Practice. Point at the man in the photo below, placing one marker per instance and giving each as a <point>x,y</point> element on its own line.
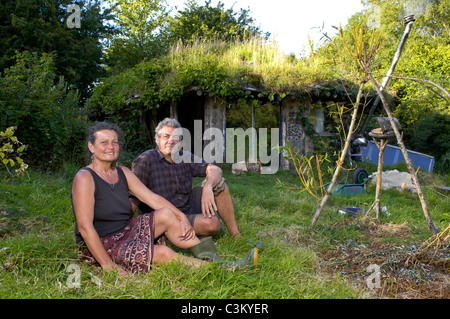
<point>172,180</point>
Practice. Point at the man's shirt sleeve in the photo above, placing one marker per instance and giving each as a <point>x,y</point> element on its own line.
<point>141,168</point>
<point>198,166</point>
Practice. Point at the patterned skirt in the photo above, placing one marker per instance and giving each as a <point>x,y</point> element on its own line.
<point>132,248</point>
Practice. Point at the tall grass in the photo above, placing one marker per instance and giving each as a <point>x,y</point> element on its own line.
<point>255,62</point>
<point>37,245</point>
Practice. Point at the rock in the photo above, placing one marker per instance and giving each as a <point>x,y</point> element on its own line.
<point>242,167</point>
<point>393,179</point>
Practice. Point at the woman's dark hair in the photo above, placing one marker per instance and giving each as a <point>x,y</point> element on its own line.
<point>92,136</point>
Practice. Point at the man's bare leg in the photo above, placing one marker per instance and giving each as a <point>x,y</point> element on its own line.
<point>225,209</point>
<point>210,226</point>
<point>206,226</point>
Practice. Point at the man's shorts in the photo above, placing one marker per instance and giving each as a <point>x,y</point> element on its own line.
<point>195,200</point>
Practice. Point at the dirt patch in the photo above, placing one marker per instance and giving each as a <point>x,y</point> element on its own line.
<point>382,230</point>
<point>393,270</point>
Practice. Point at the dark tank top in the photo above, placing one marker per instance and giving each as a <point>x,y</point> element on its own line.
<point>112,209</point>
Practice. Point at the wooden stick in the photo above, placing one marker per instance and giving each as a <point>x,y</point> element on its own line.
<point>342,156</point>
<point>423,202</point>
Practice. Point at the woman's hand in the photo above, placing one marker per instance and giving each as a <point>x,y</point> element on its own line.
<point>111,266</point>
<point>187,231</point>
<point>122,272</point>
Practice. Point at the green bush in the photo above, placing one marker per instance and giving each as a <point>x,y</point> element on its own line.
<point>10,150</point>
<point>44,110</point>
<point>431,137</point>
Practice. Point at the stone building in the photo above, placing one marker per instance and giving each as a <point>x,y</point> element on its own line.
<point>212,111</point>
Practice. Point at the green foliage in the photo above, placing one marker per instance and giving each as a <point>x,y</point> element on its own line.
<point>220,68</point>
<point>146,30</point>
<point>40,26</point>
<point>417,99</point>
<point>196,66</point>
<point>10,151</point>
<point>313,172</point>
<point>425,57</point>
<point>44,111</point>
<point>431,135</point>
<point>140,35</point>
<point>208,23</point>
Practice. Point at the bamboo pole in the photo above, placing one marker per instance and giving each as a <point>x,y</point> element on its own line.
<point>341,157</point>
<point>399,137</point>
<point>385,81</point>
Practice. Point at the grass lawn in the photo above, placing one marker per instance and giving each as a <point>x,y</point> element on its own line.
<point>38,258</point>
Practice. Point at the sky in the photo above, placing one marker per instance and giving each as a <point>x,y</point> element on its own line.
<point>290,21</point>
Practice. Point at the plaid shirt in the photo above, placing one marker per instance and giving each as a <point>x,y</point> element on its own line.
<point>171,181</point>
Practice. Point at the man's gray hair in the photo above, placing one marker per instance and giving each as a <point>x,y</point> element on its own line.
<point>166,122</point>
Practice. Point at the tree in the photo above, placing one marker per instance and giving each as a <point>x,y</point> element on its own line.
<point>40,26</point>
<point>140,35</point>
<point>360,45</point>
<point>46,115</point>
<point>207,23</point>
<point>419,85</point>
<point>424,61</point>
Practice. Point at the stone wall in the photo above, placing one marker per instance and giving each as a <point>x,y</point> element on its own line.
<point>292,129</point>
<point>215,116</point>
<point>290,126</point>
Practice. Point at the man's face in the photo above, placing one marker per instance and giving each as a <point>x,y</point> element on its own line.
<point>169,137</point>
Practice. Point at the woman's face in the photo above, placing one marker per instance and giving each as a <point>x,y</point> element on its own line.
<point>106,146</point>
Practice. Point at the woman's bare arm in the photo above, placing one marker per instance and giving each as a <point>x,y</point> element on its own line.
<point>83,188</point>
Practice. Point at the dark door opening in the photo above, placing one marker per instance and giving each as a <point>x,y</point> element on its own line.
<point>191,108</point>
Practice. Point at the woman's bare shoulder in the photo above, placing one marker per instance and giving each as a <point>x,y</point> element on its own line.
<point>83,176</point>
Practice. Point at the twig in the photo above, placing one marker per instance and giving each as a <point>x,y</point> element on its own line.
<point>419,80</point>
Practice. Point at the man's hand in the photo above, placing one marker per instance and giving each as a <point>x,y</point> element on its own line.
<point>209,206</point>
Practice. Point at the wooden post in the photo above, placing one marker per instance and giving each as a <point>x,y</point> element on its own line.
<point>434,230</point>
<point>384,139</point>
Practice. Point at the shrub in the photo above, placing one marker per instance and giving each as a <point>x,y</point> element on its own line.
<point>431,137</point>
<point>10,150</point>
<point>44,110</point>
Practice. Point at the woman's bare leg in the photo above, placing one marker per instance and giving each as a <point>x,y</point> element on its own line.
<point>163,255</point>
<point>166,222</point>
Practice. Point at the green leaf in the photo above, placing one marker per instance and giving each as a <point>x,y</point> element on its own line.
<point>21,149</point>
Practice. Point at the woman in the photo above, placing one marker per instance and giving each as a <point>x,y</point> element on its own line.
<point>104,222</point>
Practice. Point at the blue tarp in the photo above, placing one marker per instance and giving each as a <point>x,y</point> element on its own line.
<point>393,155</point>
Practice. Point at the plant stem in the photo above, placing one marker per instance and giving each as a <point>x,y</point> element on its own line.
<point>399,136</point>
<point>341,157</point>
